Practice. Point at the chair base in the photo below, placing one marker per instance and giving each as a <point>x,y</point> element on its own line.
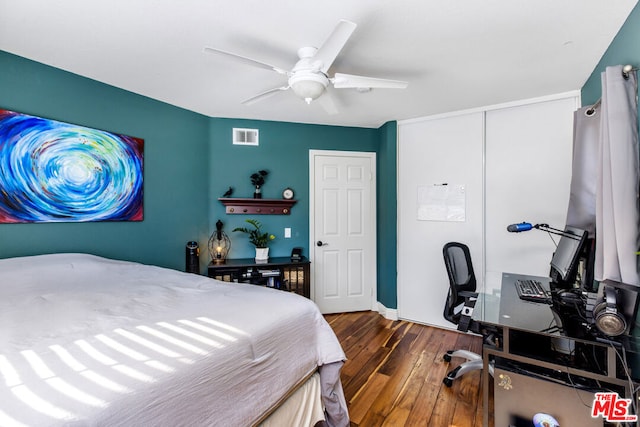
<point>473,363</point>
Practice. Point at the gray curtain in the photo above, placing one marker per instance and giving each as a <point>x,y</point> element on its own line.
<point>586,142</point>
<point>617,218</point>
<point>605,177</point>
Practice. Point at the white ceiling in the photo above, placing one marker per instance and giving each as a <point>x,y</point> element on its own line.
<point>455,54</point>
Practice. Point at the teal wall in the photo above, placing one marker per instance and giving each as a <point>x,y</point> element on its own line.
<point>387,215</point>
<point>623,50</point>
<point>284,152</point>
<point>175,166</point>
<point>189,162</point>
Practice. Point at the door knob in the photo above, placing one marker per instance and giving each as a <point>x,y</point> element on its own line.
<point>319,243</point>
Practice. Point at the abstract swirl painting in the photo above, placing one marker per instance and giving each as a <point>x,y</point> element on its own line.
<point>52,171</point>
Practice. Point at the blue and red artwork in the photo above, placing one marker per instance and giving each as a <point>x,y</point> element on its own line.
<point>52,171</point>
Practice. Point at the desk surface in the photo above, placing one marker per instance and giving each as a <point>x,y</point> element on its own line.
<point>523,333</point>
<point>507,309</point>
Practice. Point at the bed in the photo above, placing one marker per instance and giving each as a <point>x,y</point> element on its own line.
<point>86,340</point>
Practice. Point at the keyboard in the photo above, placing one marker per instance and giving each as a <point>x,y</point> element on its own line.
<point>532,290</point>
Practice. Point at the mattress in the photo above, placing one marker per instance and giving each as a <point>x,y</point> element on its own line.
<point>86,340</point>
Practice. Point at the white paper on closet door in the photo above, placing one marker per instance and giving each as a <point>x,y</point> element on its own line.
<point>441,202</point>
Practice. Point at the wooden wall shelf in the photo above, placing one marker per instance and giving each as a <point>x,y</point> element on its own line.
<point>257,206</point>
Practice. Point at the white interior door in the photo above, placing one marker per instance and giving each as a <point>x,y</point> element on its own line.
<point>342,230</point>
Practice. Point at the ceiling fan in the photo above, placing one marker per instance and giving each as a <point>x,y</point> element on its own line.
<point>308,78</point>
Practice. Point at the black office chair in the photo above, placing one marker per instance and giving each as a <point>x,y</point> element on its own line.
<point>461,298</point>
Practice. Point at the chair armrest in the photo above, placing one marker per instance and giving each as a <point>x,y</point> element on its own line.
<point>468,294</point>
<point>470,299</point>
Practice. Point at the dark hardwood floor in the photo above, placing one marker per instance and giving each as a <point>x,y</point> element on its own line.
<point>393,375</point>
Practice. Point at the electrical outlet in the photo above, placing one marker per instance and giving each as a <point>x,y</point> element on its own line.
<point>287,233</point>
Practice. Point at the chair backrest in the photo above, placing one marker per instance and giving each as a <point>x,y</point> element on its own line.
<point>457,260</point>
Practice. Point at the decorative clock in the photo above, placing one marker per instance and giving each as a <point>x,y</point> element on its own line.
<point>287,194</point>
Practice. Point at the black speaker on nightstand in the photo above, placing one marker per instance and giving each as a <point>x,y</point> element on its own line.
<point>192,261</point>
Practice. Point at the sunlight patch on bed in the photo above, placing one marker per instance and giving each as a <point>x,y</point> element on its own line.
<point>94,377</point>
<point>106,360</point>
<point>172,340</point>
<point>43,371</point>
<point>70,391</point>
<point>110,342</point>
<point>223,326</point>
<point>7,421</point>
<point>159,366</point>
<point>38,365</point>
<point>132,373</point>
<point>29,398</point>
<point>189,334</point>
<point>146,343</point>
<point>105,350</point>
<point>105,382</point>
<point>95,353</point>
<point>67,358</point>
<point>208,330</point>
<point>41,405</point>
<point>11,376</point>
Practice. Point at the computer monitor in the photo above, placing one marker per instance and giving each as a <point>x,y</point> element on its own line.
<point>566,258</point>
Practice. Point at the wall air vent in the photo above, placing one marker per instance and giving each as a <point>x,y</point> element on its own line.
<point>245,136</point>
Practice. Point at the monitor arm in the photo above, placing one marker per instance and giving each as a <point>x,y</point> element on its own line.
<point>548,229</point>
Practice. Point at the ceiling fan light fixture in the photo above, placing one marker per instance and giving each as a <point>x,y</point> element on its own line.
<point>309,86</point>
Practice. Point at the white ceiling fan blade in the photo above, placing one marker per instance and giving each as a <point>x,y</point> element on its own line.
<point>328,52</point>
<point>344,81</point>
<point>246,60</point>
<point>264,95</point>
<point>328,104</point>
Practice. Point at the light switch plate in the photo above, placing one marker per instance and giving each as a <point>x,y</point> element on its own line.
<point>287,233</point>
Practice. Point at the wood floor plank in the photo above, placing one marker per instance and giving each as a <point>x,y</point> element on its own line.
<point>366,369</point>
<point>386,400</point>
<point>401,409</point>
<point>393,375</point>
<point>361,404</point>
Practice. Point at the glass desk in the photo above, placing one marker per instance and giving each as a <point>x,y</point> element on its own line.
<point>550,347</point>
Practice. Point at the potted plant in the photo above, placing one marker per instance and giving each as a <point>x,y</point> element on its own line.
<point>259,239</point>
<point>257,179</point>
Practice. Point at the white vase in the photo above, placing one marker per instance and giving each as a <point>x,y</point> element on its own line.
<point>262,254</point>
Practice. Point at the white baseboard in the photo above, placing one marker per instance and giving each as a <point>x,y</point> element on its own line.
<point>388,313</point>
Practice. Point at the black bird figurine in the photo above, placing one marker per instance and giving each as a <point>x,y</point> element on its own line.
<point>228,193</point>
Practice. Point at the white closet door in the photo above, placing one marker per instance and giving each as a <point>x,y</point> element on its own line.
<point>436,151</point>
<point>528,174</point>
<point>515,165</point>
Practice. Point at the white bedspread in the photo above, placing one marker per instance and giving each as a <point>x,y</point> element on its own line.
<point>90,341</point>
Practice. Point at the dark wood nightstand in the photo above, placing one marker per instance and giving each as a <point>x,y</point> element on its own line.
<point>279,272</point>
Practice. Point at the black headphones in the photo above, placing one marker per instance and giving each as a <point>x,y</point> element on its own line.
<point>606,316</point>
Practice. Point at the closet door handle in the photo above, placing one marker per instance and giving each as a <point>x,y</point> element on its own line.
<point>319,243</point>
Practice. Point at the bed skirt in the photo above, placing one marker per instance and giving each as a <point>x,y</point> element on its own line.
<point>318,401</point>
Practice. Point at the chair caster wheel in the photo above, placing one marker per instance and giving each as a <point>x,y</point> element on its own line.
<point>446,357</point>
<point>447,381</point>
